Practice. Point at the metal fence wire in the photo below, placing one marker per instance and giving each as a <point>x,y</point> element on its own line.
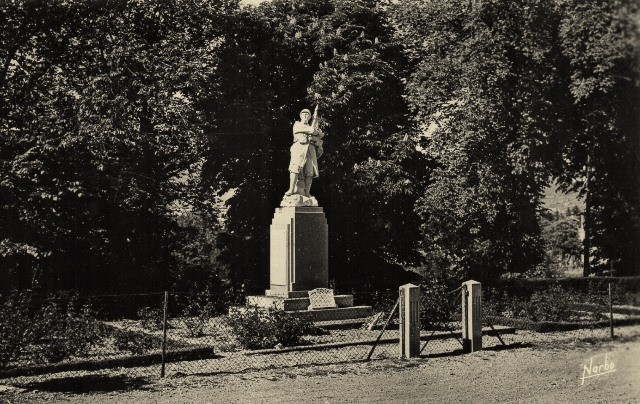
<point>565,311</point>
<point>187,333</point>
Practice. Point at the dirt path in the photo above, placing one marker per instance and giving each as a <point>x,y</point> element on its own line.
<point>514,375</point>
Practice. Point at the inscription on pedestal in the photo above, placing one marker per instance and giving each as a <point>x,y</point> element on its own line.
<point>321,298</point>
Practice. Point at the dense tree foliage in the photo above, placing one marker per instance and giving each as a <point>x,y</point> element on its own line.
<point>561,235</point>
<point>600,152</point>
<point>483,92</point>
<point>101,129</point>
<point>125,123</point>
<point>372,174</point>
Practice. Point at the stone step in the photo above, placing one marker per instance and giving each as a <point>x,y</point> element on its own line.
<point>343,313</point>
<point>291,293</point>
<point>341,324</point>
<point>293,303</point>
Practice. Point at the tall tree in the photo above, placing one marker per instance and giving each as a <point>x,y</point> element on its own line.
<point>482,91</point>
<point>600,153</point>
<point>104,127</point>
<point>38,128</point>
<point>372,172</point>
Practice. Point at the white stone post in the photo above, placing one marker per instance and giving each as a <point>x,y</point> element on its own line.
<point>409,321</point>
<point>471,316</point>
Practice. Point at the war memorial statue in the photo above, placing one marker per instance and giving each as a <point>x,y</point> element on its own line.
<point>299,241</point>
<point>303,167</point>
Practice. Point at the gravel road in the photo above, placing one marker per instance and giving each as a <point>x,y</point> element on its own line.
<point>531,374</point>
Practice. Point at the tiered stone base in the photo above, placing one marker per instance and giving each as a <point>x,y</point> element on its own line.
<point>299,262</point>
<point>297,303</point>
<point>292,303</point>
<point>339,314</point>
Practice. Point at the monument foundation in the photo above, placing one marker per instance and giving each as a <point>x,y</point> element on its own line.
<point>299,266</point>
<point>299,240</point>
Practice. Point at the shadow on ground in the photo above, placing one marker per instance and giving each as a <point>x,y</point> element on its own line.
<point>459,352</point>
<point>279,366</point>
<point>90,384</point>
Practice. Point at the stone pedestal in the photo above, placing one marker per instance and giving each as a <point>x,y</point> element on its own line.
<point>299,251</point>
<point>293,303</point>
<point>299,263</point>
<point>471,316</point>
<point>300,307</point>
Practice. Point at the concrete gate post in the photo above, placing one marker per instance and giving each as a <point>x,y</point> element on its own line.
<point>409,321</point>
<point>471,316</point>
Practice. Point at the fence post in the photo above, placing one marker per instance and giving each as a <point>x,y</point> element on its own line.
<point>164,333</point>
<point>471,316</point>
<point>611,311</point>
<point>409,321</point>
<point>373,347</point>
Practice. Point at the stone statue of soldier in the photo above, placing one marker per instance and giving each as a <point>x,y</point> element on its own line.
<point>305,151</point>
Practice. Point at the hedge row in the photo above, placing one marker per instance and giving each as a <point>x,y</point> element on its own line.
<point>622,286</point>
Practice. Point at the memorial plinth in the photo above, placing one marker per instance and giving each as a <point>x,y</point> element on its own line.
<point>299,263</point>
<point>299,251</point>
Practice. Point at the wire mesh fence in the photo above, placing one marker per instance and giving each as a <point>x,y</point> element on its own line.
<point>566,310</point>
<point>188,333</point>
<point>182,333</point>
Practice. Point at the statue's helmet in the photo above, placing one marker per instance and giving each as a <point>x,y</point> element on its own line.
<point>305,110</point>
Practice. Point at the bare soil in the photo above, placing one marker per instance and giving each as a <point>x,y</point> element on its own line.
<point>549,371</point>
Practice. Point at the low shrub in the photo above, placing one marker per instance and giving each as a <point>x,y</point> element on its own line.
<point>195,325</point>
<point>383,300</point>
<point>196,312</point>
<point>626,298</point>
<point>15,328</point>
<point>626,290</point>
<point>553,304</point>
<point>65,329</point>
<point>439,307</point>
<point>259,329</point>
<point>47,331</point>
<point>134,342</point>
<point>151,318</point>
<point>502,305</point>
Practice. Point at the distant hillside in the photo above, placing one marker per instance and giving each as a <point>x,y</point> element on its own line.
<point>555,200</point>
